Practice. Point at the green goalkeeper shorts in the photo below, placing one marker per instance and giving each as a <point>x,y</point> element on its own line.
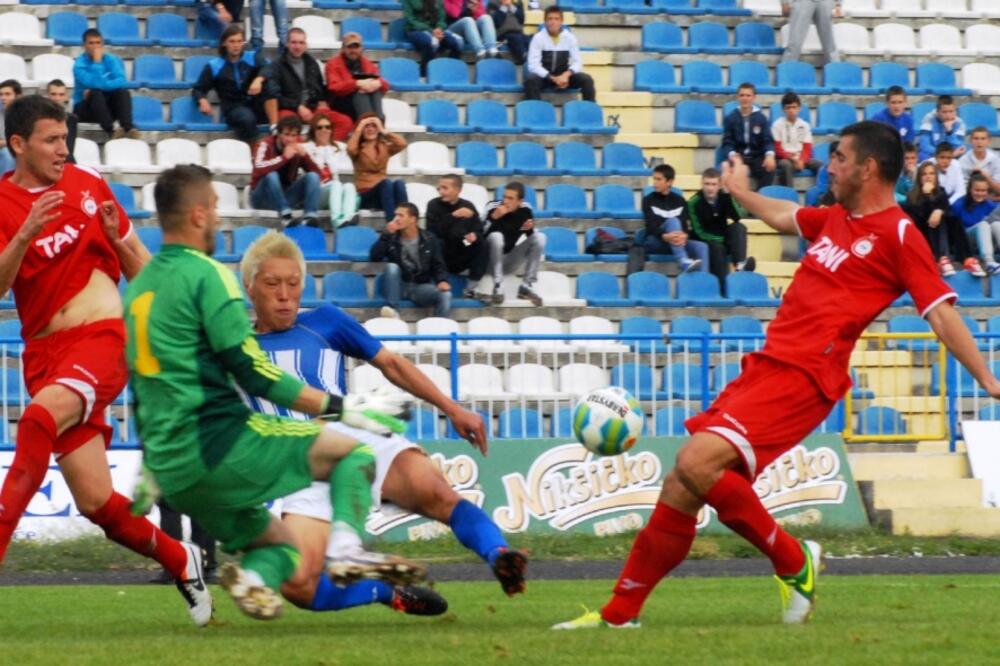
<point>269,460</point>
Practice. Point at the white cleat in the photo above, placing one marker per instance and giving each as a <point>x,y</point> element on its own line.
<point>193,588</point>
<point>362,564</point>
<point>593,620</point>
<point>258,601</point>
<point>798,593</point>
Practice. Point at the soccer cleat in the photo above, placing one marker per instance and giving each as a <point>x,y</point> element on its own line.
<point>947,269</point>
<point>194,589</point>
<point>529,294</point>
<point>509,567</point>
<point>688,265</point>
<point>798,592</point>
<point>362,564</point>
<point>258,601</point>
<point>972,265</point>
<point>417,601</point>
<point>593,620</point>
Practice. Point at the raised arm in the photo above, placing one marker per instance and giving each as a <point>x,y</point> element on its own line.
<point>776,213</point>
<point>44,210</point>
<point>948,324</point>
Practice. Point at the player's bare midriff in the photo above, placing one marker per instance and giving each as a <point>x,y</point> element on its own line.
<point>97,301</point>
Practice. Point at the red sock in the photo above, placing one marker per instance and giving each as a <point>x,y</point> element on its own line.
<point>659,547</point>
<point>739,509</point>
<point>36,436</point>
<point>140,535</point>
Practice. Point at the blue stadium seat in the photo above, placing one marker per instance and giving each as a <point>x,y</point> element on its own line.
<point>631,6</point>
<point>185,113</point>
<point>959,382</point>
<point>156,71</point>
<point>586,7</point>
<point>722,374</point>
<point>371,34</point>
<point>585,118</point>
<point>147,113</point>
<point>644,326</point>
<point>222,252</point>
<point>691,325</point>
<point>701,289</point>
<point>780,192</point>
<point>649,288</point>
<point>311,241</point>
<point>749,327</point>
<point>637,379</point>
<point>151,237</point>
<point>657,76</point>
<point>422,425</point>
<point>805,113</point>
<point>519,423</point>
<point>458,284</point>
<point>756,38</point>
<point>616,201</point>
<point>577,159</point>
<point>561,246</point>
<point>354,243</point>
<point>710,37</point>
<point>624,159</point>
<point>397,29</point>
<point>244,236</point>
<point>601,289</point>
<point>679,7</point>
<point>750,289</point>
<point>969,289</point>
<point>821,151</point>
<point>975,114</point>
<point>403,74</point>
<point>989,412</point>
<point>208,32</point>
<point>921,109</point>
<point>171,30</point>
<point>911,324</point>
<point>347,289</point>
<point>873,108</point>
<point>451,75</point>
<point>670,422</point>
<point>193,67</point>
<point>751,71</point>
<point>831,117</point>
<point>884,75</point>
<point>938,78</point>
<point>536,116</point>
<point>590,234</point>
<point>149,3</point>
<point>881,421</point>
<point>66,28</point>
<point>704,76</point>
<point>13,386</point>
<point>799,77</point>
<point>846,78</point>
<point>566,200</point>
<point>10,329</point>
<point>479,159</point>
<point>497,75</point>
<point>121,29</point>
<point>123,193</point>
<point>696,116</point>
<point>834,422</point>
<point>528,158</point>
<point>683,381</point>
<point>489,116</point>
<point>561,422</point>
<point>664,37</point>
<point>440,115</point>
<point>723,8</point>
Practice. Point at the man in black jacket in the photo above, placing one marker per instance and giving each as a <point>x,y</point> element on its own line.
<point>747,132</point>
<point>668,230</point>
<point>456,222</point>
<point>513,240</point>
<point>297,80</point>
<point>414,267</point>
<point>715,220</point>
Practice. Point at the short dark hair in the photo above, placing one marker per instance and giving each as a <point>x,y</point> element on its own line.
<point>976,177</point>
<point>58,83</point>
<point>711,172</point>
<point>456,180</point>
<point>554,9</point>
<point>291,122</point>
<point>91,32</point>
<point>171,192</point>
<point>12,83</point>
<point>978,128</point>
<point>942,148</point>
<point>515,187</point>
<point>665,170</point>
<point>909,147</point>
<point>879,142</point>
<point>297,29</point>
<point>231,29</point>
<point>942,100</point>
<point>746,85</point>
<point>790,98</point>
<point>22,114</point>
<point>892,91</point>
<point>411,209</point>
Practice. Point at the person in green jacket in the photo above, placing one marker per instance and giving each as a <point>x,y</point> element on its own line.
<point>715,220</point>
<point>425,28</point>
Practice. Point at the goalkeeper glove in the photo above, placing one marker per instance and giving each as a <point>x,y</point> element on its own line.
<point>145,494</point>
<point>383,411</point>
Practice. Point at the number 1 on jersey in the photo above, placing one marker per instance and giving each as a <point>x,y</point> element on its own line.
<point>145,362</point>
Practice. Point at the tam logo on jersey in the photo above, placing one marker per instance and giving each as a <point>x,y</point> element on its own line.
<point>54,243</point>
<point>828,254</point>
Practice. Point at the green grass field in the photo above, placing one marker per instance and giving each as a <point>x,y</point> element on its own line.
<point>860,620</point>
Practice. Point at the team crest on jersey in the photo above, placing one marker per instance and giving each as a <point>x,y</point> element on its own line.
<point>87,204</point>
<point>863,246</point>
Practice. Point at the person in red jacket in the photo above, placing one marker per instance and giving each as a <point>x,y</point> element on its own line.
<point>276,182</point>
<point>354,82</point>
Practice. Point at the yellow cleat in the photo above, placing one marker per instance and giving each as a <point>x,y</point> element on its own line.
<point>593,620</point>
<point>798,592</point>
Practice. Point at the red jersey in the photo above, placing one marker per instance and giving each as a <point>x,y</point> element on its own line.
<point>60,259</point>
<point>854,269</point>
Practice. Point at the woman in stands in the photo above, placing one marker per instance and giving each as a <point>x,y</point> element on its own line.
<point>927,203</point>
<point>370,148</point>
<point>341,198</point>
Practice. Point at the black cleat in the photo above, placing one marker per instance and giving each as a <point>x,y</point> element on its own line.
<point>417,601</point>
<point>509,568</point>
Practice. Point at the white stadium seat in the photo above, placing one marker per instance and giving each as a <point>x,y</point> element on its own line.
<point>399,116</point>
<point>419,194</point>
<point>320,31</point>
<point>146,199</point>
<point>492,326</point>
<point>366,378</point>
<point>13,67</point>
<point>379,326</point>
<point>810,45</point>
<point>171,152</point>
<point>438,375</point>
<point>430,158</point>
<point>87,153</point>
<point>767,7</point>
<point>544,326</point>
<point>862,9</point>
<point>229,156</point>
<point>20,29</point>
<point>982,77</point>
<point>579,379</point>
<point>556,289</point>
<point>437,326</point>
<point>129,155</point>
<point>852,38</point>
<point>905,8</point>
<point>48,66</point>
<point>270,32</point>
<point>895,38</point>
<point>591,325</point>
<point>941,39</point>
<point>229,201</point>
<point>478,381</point>
<point>397,165</point>
<point>532,380</point>
<point>478,195</point>
<point>982,38</point>
<point>986,8</point>
<point>950,8</point>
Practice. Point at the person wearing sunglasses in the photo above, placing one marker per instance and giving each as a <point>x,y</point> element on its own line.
<point>353,81</point>
<point>331,158</point>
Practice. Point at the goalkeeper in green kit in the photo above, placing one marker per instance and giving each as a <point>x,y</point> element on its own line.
<point>191,350</point>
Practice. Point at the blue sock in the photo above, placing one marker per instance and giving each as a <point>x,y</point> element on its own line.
<point>330,597</point>
<point>474,530</point>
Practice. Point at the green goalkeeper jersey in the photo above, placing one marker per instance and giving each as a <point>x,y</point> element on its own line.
<point>189,344</point>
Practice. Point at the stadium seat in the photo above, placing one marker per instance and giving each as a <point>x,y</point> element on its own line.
<point>48,66</point>
<point>87,153</point>
<point>780,192</point>
<point>756,38</point>
<point>920,111</point>
<point>704,76</point>
<point>367,378</point>
<point>657,76</point>
<point>700,289</point>
<point>147,113</point>
<point>846,78</point>
<point>695,116</point>
<point>649,288</point>
<point>981,38</point>
<point>171,30</point>
<point>22,29</point>
<point>969,289</point>
<point>982,77</point>
<point>670,422</point>
<point>587,7</point>
<point>14,67</point>
<point>884,75</point>
<point>371,33</point>
<point>450,75</point>
<point>381,327</point>
<point>852,38</point>
<point>723,8</point>
<point>578,379</point>
<point>910,324</point>
<point>399,116</point>
<point>576,159</point>
<point>477,195</point>
<point>123,193</point>
<point>480,159</point>
<point>959,383</point>
<point>536,116</point>
<point>710,37</point>
<point>895,38</point>
<point>592,325</point>
<point>722,374</point>
<point>651,330</point>
<point>537,325</point>
<point>121,29</point>
<point>751,71</point>
<point>941,40</point>
<point>320,31</point>
<point>478,381</point>
<point>429,158</point>
<point>440,115</point>
<point>228,156</point>
<point>664,37</point>
<point>519,423</point>
<point>616,201</point>
<point>799,77</point>
<point>750,289</point>
<point>631,6</point>
<point>184,112</point>
<point>348,289</point>
<point>688,325</point>
<point>419,194</point>
<point>493,326</point>
<point>585,118</point>
<point>489,116</point>
<point>423,426</point>
<point>881,421</point>
<point>66,28</point>
<point>14,391</point>
<point>561,246</point>
<point>245,235</point>
<point>156,71</point>
<point>10,331</point>
<point>950,9</point>
<point>403,74</point>
<point>679,7</point>
<point>436,326</point>
<point>831,117</point>
<point>591,233</point>
<point>528,158</point>
<point>566,200</point>
<point>497,75</point>
<point>624,159</point>
<point>938,78</point>
<point>533,381</point>
<point>834,421</point>
<point>873,108</point>
<point>151,237</point>
<point>976,114</point>
<point>684,381</point>
<point>601,289</point>
<point>129,155</point>
<point>637,379</point>
<point>193,67</point>
<point>750,330</point>
<point>311,241</point>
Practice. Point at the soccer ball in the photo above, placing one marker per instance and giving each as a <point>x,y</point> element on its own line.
<point>608,421</point>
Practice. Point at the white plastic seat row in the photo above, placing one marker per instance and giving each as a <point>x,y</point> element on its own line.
<point>20,29</point>
<point>419,194</point>
<point>899,38</point>
<point>44,68</point>
<point>231,203</point>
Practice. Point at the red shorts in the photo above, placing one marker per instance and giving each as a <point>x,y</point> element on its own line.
<point>88,360</point>
<point>768,409</point>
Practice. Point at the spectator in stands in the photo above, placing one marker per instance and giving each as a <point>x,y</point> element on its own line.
<point>508,21</point>
<point>370,148</point>
<point>949,172</point>
<point>826,197</point>
<point>793,141</point>
<point>927,205</point>
<point>237,76</point>
<point>456,223</point>
<point>554,60</point>
<point>941,125</point>
<point>469,20</point>
<point>57,91</point>
<point>972,210</point>
<point>981,159</point>
<point>909,174</point>
<point>425,24</point>
<point>285,176</point>
<point>353,81</point>
<point>340,198</point>
<point>895,114</point>
<point>101,91</point>
<point>9,91</point>
<point>746,132</point>
<point>801,14</point>
<point>216,15</point>
<point>668,230</point>
<point>714,217</point>
<point>415,267</point>
<point>279,9</point>
<point>513,241</point>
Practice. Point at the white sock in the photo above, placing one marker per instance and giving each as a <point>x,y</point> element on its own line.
<point>343,539</point>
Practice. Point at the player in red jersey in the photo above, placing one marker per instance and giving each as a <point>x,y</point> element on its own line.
<point>64,241</point>
<point>864,253</point>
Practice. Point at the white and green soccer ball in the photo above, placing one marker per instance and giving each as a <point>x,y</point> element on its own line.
<point>608,421</point>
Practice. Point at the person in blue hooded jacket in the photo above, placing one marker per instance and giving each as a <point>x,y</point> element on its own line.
<point>100,92</point>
